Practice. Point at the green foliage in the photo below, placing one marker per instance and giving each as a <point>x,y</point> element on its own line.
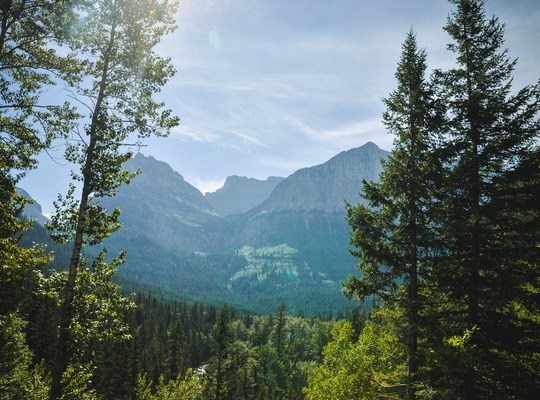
<point>18,378</point>
<point>392,234</point>
<point>449,237</point>
<point>121,73</point>
<point>77,384</point>
<point>371,367</point>
<point>29,31</point>
<point>265,357</point>
<point>486,211</point>
<point>188,387</point>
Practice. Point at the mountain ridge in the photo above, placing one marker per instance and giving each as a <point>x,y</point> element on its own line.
<point>240,194</point>
<point>326,186</point>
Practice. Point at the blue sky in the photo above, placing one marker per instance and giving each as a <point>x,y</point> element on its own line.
<point>265,87</point>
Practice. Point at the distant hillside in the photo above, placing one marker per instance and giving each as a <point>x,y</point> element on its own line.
<point>240,194</point>
<point>161,205</point>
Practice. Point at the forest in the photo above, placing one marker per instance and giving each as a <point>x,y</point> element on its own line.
<point>448,281</point>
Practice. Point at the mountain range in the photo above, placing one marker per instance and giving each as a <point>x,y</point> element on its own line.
<point>253,243</point>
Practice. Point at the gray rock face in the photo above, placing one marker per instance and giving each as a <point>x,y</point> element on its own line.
<point>32,210</point>
<point>240,194</point>
<point>160,204</point>
<point>326,186</point>
<point>165,191</point>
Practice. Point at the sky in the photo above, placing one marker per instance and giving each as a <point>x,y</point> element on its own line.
<point>265,87</point>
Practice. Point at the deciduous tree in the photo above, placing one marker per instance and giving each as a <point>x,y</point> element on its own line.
<point>121,75</point>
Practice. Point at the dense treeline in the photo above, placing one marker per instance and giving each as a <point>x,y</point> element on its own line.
<point>448,246</point>
<point>188,349</point>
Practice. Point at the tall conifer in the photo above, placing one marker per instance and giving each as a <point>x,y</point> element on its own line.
<point>391,235</point>
<point>485,266</point>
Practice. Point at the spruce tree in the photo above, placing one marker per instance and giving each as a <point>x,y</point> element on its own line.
<point>486,265</point>
<point>177,356</point>
<point>391,234</point>
<point>218,385</point>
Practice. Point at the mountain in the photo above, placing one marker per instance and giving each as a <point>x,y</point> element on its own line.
<point>289,246</point>
<point>32,210</point>
<point>325,187</point>
<point>240,194</point>
<point>160,205</point>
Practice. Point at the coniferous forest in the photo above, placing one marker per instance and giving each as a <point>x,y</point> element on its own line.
<point>447,241</point>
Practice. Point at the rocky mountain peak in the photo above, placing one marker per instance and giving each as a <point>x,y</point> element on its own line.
<point>326,186</point>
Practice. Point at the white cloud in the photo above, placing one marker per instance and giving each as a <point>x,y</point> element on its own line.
<point>195,133</point>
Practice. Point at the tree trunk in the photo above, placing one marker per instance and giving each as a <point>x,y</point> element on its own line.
<point>412,366</point>
<point>474,265</point>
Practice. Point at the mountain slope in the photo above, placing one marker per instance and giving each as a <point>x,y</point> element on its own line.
<point>240,194</point>
<point>161,205</point>
<point>32,210</point>
<point>326,186</point>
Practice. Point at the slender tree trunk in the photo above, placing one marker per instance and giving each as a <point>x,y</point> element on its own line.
<point>6,6</point>
<point>412,367</point>
<point>66,310</point>
<point>474,269</point>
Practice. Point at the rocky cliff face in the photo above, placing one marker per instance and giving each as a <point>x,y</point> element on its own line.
<point>161,205</point>
<point>240,194</point>
<point>32,210</point>
<point>325,187</point>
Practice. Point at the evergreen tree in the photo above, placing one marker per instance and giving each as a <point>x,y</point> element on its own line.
<point>392,233</point>
<point>118,86</point>
<point>486,264</point>
<point>18,379</point>
<point>177,356</point>
<point>218,384</point>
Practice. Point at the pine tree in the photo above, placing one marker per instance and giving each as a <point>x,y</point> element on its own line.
<point>392,233</point>
<point>486,264</point>
<point>177,356</point>
<point>118,86</point>
<point>18,380</point>
<point>221,340</point>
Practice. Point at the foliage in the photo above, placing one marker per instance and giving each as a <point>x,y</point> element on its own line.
<point>484,223</point>
<point>391,234</point>
<point>121,74</point>
<point>371,367</point>
<point>18,378</point>
<point>449,245</point>
<point>188,387</point>
<point>450,238</point>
